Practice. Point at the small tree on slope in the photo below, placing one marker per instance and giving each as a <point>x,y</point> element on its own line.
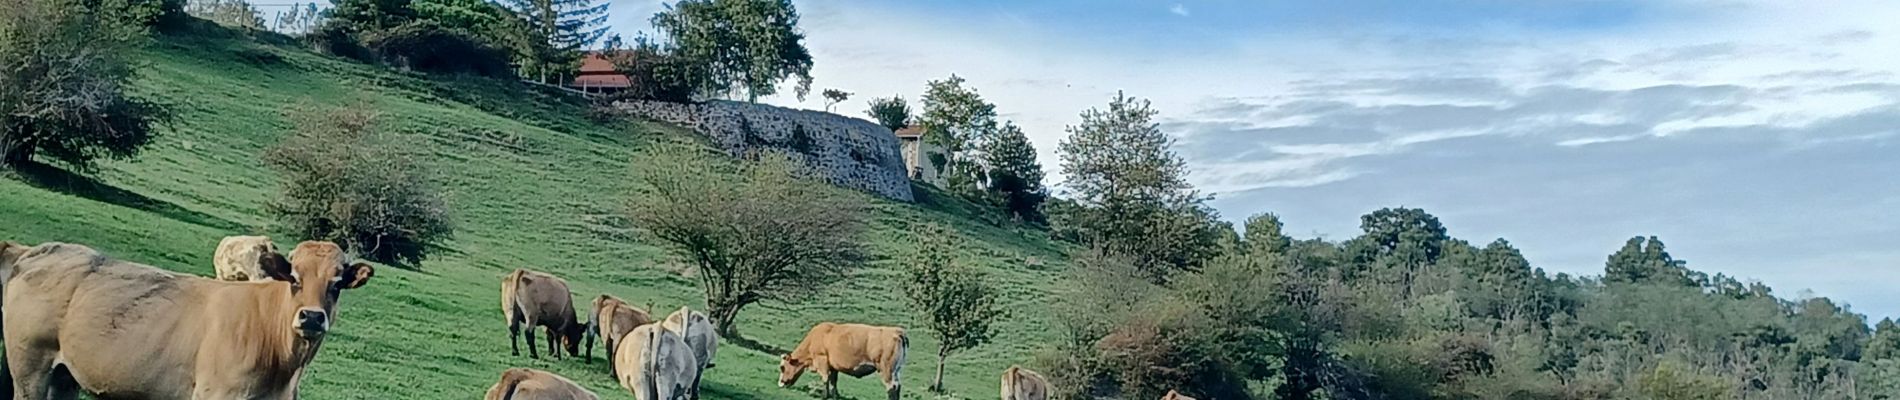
<point>954,301</point>
<point>774,234</point>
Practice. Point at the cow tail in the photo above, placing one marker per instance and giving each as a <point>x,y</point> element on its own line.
<point>651,371</point>
<point>903,348</point>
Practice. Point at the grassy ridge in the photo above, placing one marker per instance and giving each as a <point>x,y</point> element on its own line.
<point>534,182</point>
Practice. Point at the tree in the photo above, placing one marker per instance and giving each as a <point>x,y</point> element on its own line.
<point>766,231</point>
<point>955,302</point>
<point>356,17</point>
<point>1133,190</point>
<point>835,96</point>
<point>345,180</point>
<point>960,122</point>
<point>65,70</point>
<point>1015,174</point>
<point>557,30</point>
<point>1399,242</point>
<point>1644,261</point>
<point>1264,235</point>
<point>746,46</point>
<point>1886,342</point>
<point>891,112</point>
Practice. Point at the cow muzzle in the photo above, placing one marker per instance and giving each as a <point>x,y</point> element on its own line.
<point>312,323</point>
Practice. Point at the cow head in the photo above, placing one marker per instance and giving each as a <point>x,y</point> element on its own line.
<point>571,338</point>
<point>789,369</point>
<point>317,277</point>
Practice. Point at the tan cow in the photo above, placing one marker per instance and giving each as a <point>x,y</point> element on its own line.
<point>612,319</point>
<point>533,299</point>
<point>1173,395</point>
<point>78,321</point>
<point>236,258</point>
<point>1023,384</point>
<point>698,332</point>
<point>656,364</point>
<point>534,384</point>
<point>852,349</point>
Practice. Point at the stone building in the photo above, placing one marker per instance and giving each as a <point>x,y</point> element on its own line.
<point>917,153</point>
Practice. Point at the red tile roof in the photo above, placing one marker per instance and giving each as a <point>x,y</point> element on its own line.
<point>911,132</point>
<point>597,72</point>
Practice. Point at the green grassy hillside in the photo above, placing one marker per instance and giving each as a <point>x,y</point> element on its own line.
<point>534,182</point>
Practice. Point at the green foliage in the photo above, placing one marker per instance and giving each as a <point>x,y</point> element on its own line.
<point>1264,236</point>
<point>747,46</point>
<point>343,179</point>
<point>956,303</point>
<point>958,121</point>
<point>1645,261</point>
<point>357,16</point>
<point>232,13</point>
<point>1133,192</point>
<point>1014,173</point>
<point>65,68</point>
<point>555,33</point>
<point>1674,381</point>
<point>891,112</point>
<point>656,74</point>
<point>835,96</point>
<point>425,45</point>
<point>777,234</point>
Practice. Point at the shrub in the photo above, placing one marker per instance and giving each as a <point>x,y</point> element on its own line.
<point>426,46</point>
<point>343,181</point>
<point>64,68</point>
<point>657,74</point>
<point>767,232</point>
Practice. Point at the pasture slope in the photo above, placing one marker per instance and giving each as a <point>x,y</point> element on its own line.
<point>535,183</point>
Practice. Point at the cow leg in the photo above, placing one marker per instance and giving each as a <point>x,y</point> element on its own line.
<point>612,369</point>
<point>831,382</point>
<point>532,345</point>
<point>32,372</point>
<point>554,340</point>
<point>514,338</point>
<point>891,384</point>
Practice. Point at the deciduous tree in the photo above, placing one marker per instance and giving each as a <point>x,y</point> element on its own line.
<point>956,302</point>
<point>1133,191</point>
<point>65,70</point>
<point>747,46</point>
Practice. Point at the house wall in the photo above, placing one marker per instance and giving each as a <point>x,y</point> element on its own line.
<point>850,152</point>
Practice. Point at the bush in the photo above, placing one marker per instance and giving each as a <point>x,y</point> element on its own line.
<point>428,47</point>
<point>64,69</point>
<point>657,74</point>
<point>344,182</point>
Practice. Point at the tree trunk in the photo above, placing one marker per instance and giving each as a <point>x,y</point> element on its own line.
<point>724,315</point>
<point>936,384</point>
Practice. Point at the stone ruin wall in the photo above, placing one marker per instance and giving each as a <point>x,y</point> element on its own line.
<point>850,152</point>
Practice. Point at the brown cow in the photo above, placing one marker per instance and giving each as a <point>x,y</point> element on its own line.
<point>236,257</point>
<point>1173,395</point>
<point>534,384</point>
<point>853,349</point>
<point>612,319</point>
<point>78,321</point>
<point>537,299</point>
<point>1023,384</point>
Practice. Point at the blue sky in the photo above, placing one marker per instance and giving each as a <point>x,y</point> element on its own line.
<point>1756,138</point>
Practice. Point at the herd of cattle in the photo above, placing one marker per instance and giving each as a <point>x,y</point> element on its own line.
<point>77,321</point>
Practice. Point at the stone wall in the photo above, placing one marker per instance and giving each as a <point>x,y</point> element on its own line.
<point>851,152</point>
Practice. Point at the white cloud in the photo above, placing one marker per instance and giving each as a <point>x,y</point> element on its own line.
<point>1179,9</point>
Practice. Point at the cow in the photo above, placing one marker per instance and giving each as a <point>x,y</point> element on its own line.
<point>853,349</point>
<point>1023,384</point>
<point>698,332</point>
<point>656,364</point>
<point>77,320</point>
<point>9,252</point>
<point>1173,395</point>
<point>538,300</point>
<point>236,257</point>
<point>612,319</point>
<point>534,384</point>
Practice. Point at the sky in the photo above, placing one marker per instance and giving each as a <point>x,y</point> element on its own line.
<point>1759,139</point>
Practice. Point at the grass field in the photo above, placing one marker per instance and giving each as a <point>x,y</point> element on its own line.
<point>534,182</point>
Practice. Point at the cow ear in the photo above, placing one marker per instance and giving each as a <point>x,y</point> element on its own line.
<point>355,275</point>
<point>275,266</point>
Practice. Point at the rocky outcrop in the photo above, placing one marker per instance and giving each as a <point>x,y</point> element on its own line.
<point>851,152</point>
